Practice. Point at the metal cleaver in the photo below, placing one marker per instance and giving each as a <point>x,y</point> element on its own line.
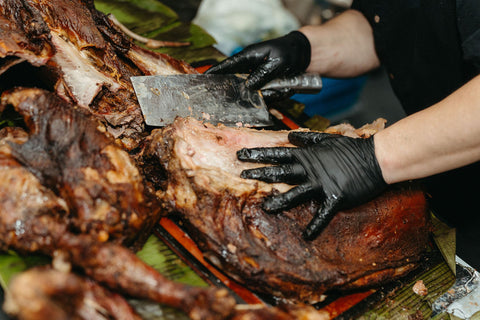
<point>214,98</point>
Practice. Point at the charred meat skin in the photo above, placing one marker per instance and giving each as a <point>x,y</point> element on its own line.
<point>69,154</point>
<point>365,246</point>
<point>24,35</point>
<point>27,225</point>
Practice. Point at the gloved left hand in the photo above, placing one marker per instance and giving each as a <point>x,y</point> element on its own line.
<point>264,61</point>
<point>339,171</point>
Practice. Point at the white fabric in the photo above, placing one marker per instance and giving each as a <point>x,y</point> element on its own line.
<point>238,23</point>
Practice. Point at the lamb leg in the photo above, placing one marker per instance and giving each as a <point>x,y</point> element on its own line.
<point>46,293</point>
<point>121,270</point>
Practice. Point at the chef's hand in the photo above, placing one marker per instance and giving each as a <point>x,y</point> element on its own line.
<point>285,56</point>
<point>341,172</point>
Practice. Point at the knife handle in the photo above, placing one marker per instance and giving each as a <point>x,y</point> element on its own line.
<point>302,83</point>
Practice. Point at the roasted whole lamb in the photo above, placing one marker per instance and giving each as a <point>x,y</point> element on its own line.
<point>365,246</point>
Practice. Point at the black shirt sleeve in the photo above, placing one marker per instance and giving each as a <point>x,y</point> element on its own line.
<point>468,20</point>
<point>356,5</point>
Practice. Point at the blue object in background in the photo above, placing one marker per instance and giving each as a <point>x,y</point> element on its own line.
<point>236,50</point>
<point>337,96</point>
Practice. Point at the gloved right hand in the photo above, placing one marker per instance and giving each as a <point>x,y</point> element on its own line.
<point>285,56</point>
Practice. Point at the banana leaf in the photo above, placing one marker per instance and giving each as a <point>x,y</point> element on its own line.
<point>12,264</point>
<point>154,20</point>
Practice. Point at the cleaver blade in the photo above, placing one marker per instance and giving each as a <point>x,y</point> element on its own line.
<point>214,98</point>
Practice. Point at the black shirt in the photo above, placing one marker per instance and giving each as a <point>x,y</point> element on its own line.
<point>430,48</point>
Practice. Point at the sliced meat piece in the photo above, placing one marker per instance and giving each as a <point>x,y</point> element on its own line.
<point>365,246</point>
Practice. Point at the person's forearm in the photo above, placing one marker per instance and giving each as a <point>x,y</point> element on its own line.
<point>437,139</point>
<point>342,47</point>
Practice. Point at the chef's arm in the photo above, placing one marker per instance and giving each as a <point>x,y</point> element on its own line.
<point>341,172</point>
<point>442,137</point>
<point>342,47</point>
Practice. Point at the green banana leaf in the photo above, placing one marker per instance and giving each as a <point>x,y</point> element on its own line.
<point>12,264</point>
<point>139,16</point>
<point>153,20</point>
<point>158,255</point>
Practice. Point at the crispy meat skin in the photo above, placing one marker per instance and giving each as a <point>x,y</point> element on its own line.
<point>89,60</point>
<point>70,155</point>
<point>26,225</point>
<point>66,189</point>
<point>364,246</point>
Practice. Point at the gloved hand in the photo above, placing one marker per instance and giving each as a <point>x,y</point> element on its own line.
<point>285,56</point>
<point>339,171</point>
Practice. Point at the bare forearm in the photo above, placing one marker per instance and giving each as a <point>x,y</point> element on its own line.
<point>342,47</point>
<point>437,139</point>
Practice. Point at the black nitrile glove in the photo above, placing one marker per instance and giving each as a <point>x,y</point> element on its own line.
<point>271,95</point>
<point>341,172</point>
<point>285,56</point>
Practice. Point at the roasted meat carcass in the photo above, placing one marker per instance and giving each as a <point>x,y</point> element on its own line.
<point>365,246</point>
<point>82,56</point>
<point>69,192</point>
